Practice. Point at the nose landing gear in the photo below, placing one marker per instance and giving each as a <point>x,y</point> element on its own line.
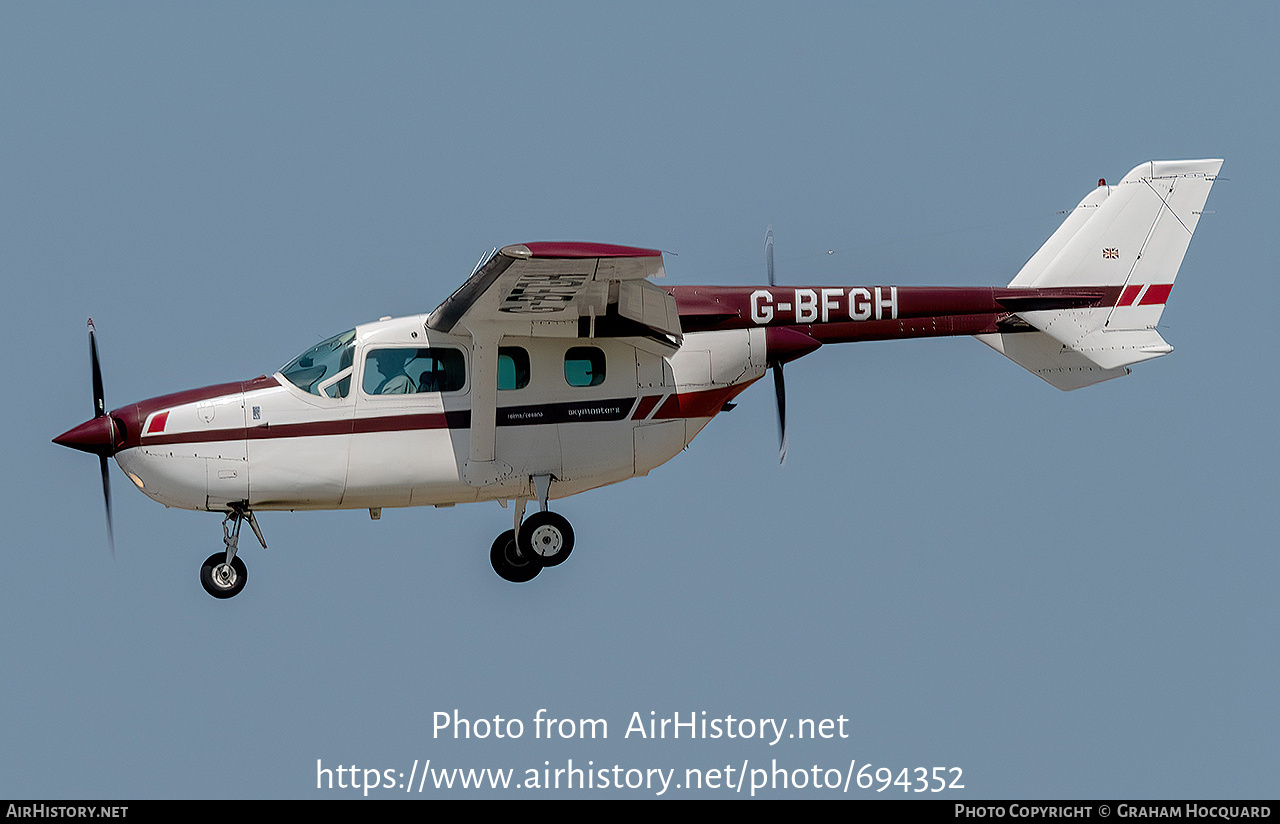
<point>223,575</point>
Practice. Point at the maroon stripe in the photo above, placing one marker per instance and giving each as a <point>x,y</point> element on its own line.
<point>704,404</point>
<point>572,249</point>
<point>1130,293</point>
<point>212,436</point>
<point>706,308</point>
<point>403,423</point>
<point>575,412</point>
<point>701,404</point>
<point>645,407</point>
<point>867,330</point>
<point>313,429</point>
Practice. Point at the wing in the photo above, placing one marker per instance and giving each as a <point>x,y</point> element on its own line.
<point>562,289</point>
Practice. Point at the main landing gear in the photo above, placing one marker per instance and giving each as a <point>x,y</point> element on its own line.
<point>223,575</point>
<point>544,539</point>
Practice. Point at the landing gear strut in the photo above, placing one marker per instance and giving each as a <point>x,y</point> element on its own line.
<point>545,539</point>
<point>223,575</point>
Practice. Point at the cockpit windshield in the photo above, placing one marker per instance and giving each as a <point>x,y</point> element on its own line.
<point>324,369</point>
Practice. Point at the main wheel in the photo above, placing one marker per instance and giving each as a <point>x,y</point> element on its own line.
<point>546,538</point>
<point>220,579</point>
<point>509,563</point>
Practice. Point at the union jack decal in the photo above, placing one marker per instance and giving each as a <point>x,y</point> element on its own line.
<point>1110,254</point>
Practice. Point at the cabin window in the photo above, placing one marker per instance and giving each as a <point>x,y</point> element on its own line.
<point>513,367</point>
<point>584,366</point>
<point>408,371</point>
<point>324,369</point>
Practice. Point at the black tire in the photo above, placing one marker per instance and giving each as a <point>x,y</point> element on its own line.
<point>216,582</point>
<point>546,539</point>
<point>508,562</point>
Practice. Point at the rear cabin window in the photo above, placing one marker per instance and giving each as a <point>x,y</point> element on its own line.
<point>584,366</point>
<point>405,371</point>
<point>513,367</point>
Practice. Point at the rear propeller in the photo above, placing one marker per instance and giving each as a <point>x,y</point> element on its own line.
<point>779,385</point>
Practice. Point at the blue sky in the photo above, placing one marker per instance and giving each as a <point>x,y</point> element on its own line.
<point>1065,595</point>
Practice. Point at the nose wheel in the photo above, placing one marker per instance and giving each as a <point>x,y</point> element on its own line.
<point>223,574</point>
<point>223,580</point>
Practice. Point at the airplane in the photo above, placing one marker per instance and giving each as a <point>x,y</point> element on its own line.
<point>560,367</point>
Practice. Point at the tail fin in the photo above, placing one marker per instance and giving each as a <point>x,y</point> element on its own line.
<point>1132,237</point>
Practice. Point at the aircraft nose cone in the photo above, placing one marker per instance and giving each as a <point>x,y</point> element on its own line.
<point>96,436</point>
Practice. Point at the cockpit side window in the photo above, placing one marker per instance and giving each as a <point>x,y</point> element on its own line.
<point>408,371</point>
<point>320,370</point>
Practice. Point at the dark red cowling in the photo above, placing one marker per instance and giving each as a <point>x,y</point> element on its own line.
<point>785,345</point>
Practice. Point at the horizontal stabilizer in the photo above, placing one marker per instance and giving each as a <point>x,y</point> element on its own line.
<point>1082,330</point>
<point>1048,359</point>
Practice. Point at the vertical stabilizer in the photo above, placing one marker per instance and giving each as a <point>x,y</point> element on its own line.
<point>1130,237</point>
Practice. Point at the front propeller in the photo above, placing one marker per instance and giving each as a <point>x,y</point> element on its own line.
<point>97,435</point>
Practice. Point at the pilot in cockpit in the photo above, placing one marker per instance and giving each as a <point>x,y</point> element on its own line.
<point>391,364</point>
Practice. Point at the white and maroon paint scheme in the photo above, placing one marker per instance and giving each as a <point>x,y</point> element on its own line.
<point>559,367</point>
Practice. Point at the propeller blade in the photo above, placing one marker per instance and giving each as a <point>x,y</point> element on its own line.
<point>100,410</point>
<point>99,402</point>
<point>780,390</point>
<point>768,253</point>
<point>106,498</point>
<point>779,387</point>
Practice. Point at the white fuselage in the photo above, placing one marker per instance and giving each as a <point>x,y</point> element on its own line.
<point>269,444</point>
